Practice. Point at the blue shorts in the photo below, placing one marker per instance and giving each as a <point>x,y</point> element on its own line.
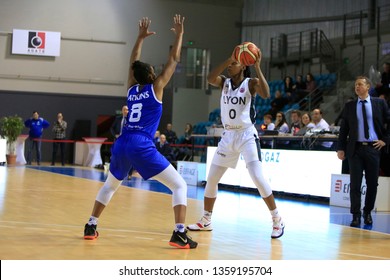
<point>137,151</point>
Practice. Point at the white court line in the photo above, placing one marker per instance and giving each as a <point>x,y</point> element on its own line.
<point>7,226</point>
<point>364,256</point>
<point>27,224</point>
<point>145,238</point>
<point>121,236</point>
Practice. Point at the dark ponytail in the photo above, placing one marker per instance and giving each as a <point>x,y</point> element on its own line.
<point>247,72</point>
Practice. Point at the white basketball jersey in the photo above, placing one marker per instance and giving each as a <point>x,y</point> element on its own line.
<point>237,106</point>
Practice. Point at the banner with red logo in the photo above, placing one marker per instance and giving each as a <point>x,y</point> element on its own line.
<point>340,188</point>
<point>33,42</point>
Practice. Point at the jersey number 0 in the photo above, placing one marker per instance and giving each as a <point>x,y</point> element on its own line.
<point>232,114</point>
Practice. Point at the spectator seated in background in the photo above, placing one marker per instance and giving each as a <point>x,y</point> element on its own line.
<point>166,150</point>
<point>266,125</point>
<point>187,134</point>
<point>320,124</point>
<point>299,89</point>
<point>170,134</point>
<point>306,123</point>
<point>281,125</point>
<point>289,89</point>
<point>295,125</point>
<point>278,103</point>
<point>313,88</point>
<point>311,84</point>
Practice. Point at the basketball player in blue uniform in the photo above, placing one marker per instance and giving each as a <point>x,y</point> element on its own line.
<point>239,137</point>
<point>135,146</point>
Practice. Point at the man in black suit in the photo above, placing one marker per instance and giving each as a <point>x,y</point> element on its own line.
<point>363,133</point>
<point>116,130</point>
<point>117,125</point>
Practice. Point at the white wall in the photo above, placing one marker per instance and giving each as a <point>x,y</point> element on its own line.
<point>116,21</point>
<point>192,106</point>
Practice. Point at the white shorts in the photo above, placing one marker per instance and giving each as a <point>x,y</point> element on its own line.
<point>236,142</point>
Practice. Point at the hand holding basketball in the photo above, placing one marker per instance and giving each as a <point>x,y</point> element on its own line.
<point>246,53</point>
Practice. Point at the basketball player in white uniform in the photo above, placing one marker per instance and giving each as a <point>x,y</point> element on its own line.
<point>239,137</point>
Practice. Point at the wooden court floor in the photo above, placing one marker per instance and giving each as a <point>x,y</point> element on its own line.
<point>42,216</point>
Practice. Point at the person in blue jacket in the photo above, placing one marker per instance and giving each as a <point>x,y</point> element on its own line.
<point>36,126</point>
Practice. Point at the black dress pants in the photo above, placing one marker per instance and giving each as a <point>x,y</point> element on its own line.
<point>367,159</point>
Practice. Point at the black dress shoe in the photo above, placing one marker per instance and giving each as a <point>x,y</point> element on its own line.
<point>355,220</point>
<point>367,218</point>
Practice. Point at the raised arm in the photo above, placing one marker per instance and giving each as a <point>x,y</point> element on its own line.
<point>259,84</point>
<point>143,32</point>
<point>215,78</point>
<point>174,57</point>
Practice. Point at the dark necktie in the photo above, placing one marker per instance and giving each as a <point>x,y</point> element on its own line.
<point>122,122</point>
<point>366,134</point>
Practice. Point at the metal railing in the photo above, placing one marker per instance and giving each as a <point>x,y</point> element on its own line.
<point>294,46</point>
<point>302,46</point>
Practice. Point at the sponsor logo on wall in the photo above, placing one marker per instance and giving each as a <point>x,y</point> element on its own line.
<point>189,172</point>
<point>36,42</point>
<point>33,42</point>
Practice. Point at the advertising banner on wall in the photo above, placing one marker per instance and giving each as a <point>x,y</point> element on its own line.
<point>33,42</point>
<point>340,188</point>
<point>192,172</point>
<point>290,171</point>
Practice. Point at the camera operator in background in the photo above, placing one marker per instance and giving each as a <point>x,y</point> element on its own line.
<point>59,129</point>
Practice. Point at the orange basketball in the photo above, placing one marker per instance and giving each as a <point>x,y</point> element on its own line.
<point>246,53</point>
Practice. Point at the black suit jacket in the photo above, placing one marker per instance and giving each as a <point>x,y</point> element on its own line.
<point>116,126</point>
<point>349,124</point>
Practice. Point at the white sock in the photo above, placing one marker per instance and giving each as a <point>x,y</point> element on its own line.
<point>275,213</point>
<point>93,221</point>
<point>180,227</point>
<point>207,214</point>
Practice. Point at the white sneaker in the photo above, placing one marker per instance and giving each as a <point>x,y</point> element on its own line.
<point>204,224</point>
<point>277,228</point>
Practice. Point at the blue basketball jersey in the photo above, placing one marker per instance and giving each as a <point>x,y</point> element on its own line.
<point>145,111</point>
<point>135,147</point>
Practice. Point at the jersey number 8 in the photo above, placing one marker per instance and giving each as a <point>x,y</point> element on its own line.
<point>135,112</point>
